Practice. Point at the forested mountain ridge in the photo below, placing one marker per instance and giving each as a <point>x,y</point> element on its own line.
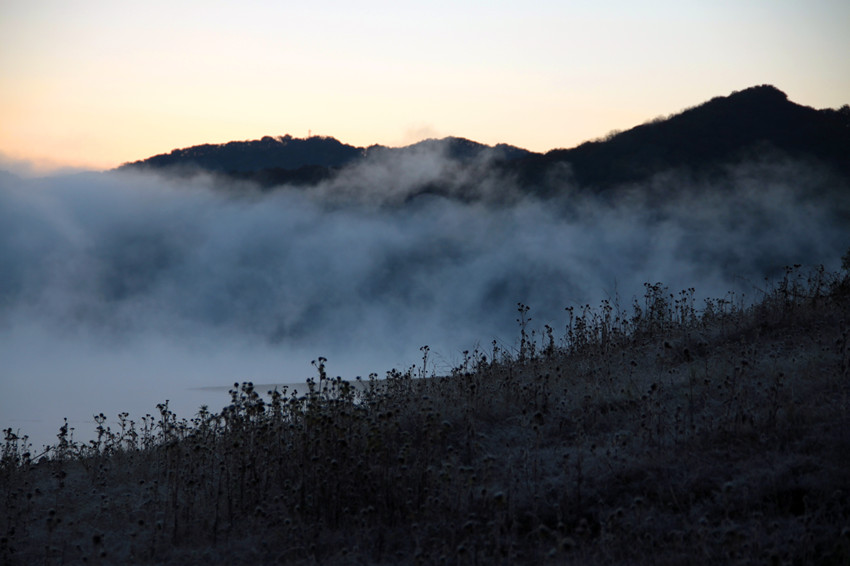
<point>269,152</point>
<point>751,123</point>
<point>285,153</point>
<point>742,125</point>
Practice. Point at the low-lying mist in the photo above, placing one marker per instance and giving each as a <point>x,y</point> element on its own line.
<point>121,290</point>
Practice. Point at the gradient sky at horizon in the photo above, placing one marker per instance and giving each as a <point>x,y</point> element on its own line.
<point>94,83</point>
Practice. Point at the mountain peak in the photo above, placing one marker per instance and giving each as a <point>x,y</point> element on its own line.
<point>722,130</point>
<point>762,92</point>
<point>283,152</point>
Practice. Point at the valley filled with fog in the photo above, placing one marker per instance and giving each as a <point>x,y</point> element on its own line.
<point>123,289</point>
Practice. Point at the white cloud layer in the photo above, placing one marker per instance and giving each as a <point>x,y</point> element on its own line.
<point>119,291</point>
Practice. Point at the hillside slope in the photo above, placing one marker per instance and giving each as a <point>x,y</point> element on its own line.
<point>661,434</point>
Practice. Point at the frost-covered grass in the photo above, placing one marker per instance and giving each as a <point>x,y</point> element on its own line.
<point>661,433</point>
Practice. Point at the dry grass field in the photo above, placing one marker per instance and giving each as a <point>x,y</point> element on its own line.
<point>656,432</point>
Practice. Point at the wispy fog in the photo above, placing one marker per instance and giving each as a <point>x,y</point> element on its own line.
<point>119,291</point>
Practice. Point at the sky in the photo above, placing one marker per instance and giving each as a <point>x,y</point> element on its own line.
<point>94,83</point>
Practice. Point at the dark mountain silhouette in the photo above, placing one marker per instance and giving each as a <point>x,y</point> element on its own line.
<point>284,160</point>
<point>459,149</point>
<point>745,124</point>
<point>755,122</point>
<point>283,152</point>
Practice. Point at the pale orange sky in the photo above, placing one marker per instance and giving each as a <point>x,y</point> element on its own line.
<point>91,83</point>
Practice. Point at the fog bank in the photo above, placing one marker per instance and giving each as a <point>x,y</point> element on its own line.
<point>122,290</point>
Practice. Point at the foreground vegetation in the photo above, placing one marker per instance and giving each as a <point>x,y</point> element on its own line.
<point>657,434</point>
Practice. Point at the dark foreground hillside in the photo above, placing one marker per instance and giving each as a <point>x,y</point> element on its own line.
<point>663,432</point>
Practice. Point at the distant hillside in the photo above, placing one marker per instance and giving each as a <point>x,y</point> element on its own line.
<point>746,123</point>
<point>287,160</point>
<point>459,149</point>
<point>757,121</point>
<point>283,152</point>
